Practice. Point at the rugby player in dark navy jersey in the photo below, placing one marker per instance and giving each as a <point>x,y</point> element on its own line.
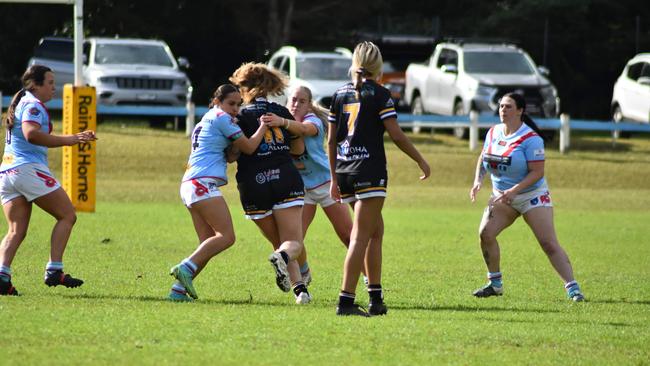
<point>359,115</point>
<point>270,187</point>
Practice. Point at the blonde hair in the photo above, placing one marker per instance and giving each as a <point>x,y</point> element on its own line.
<point>314,107</point>
<point>257,80</point>
<point>366,63</point>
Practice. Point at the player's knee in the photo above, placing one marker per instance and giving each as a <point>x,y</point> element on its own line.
<point>15,235</point>
<point>549,247</point>
<point>486,236</point>
<point>69,217</point>
<point>229,239</point>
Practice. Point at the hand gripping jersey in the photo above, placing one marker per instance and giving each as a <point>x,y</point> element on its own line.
<point>210,138</point>
<point>360,127</point>
<point>313,164</point>
<point>18,150</point>
<point>274,148</point>
<point>506,158</point>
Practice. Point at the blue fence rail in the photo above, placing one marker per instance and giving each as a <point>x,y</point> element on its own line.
<point>473,122</point>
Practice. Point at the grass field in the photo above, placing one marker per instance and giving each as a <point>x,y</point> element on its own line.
<point>431,265</point>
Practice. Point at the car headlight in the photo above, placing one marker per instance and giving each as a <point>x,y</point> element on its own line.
<point>183,82</point>
<point>485,91</point>
<point>549,93</point>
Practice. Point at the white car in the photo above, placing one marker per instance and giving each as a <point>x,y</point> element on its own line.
<point>321,72</point>
<point>631,97</point>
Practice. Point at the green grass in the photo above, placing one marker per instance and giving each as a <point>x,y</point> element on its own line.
<point>431,265</point>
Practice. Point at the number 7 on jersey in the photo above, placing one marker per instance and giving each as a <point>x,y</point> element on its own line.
<point>352,109</point>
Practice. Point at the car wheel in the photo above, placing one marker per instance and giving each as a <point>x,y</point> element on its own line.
<point>617,117</point>
<point>460,132</point>
<point>416,106</point>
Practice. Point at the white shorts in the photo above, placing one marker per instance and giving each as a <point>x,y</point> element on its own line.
<point>319,196</point>
<point>199,189</point>
<point>31,181</point>
<point>524,202</point>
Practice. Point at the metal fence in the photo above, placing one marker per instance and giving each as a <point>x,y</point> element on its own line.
<point>474,121</point>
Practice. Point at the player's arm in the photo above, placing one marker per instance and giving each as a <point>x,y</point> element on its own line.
<point>303,128</point>
<point>249,145</point>
<point>404,143</point>
<point>478,178</point>
<point>34,135</point>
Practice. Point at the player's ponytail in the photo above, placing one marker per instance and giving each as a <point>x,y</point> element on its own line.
<point>366,63</point>
<point>35,75</point>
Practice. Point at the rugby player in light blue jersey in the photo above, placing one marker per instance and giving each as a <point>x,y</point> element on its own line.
<point>513,154</point>
<point>26,178</point>
<point>205,173</point>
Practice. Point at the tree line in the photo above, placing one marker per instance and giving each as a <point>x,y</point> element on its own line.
<point>585,43</point>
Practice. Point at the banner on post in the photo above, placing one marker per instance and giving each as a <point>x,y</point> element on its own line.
<point>80,160</point>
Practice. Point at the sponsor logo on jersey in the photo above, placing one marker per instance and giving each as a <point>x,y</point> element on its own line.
<point>502,143</point>
<point>34,111</point>
<point>538,152</point>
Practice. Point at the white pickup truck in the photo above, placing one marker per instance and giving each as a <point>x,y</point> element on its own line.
<point>460,77</point>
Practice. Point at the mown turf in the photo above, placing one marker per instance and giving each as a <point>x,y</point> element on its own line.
<point>431,265</point>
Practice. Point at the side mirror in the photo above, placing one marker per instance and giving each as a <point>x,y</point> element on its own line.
<point>183,63</point>
<point>449,68</point>
<point>544,71</point>
<point>644,80</point>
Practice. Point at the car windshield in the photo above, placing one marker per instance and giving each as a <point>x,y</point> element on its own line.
<point>132,54</point>
<point>322,68</point>
<point>497,63</point>
<point>55,50</point>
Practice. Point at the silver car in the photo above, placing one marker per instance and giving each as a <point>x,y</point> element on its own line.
<point>123,71</point>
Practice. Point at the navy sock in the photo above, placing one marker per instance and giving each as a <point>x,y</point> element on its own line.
<point>298,288</point>
<point>346,298</point>
<point>376,294</point>
<point>285,257</point>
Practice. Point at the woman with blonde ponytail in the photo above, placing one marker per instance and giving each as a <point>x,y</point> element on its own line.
<point>360,113</point>
<point>26,178</point>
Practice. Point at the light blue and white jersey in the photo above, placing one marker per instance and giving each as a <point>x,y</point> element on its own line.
<point>506,158</point>
<point>210,138</point>
<point>18,150</point>
<point>313,164</point>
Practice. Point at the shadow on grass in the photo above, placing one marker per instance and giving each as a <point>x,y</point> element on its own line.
<point>619,301</point>
<point>163,299</point>
<point>472,309</point>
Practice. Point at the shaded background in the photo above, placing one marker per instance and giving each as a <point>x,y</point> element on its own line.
<point>587,44</point>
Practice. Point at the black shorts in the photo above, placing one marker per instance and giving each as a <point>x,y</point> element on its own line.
<point>263,191</point>
<point>363,185</point>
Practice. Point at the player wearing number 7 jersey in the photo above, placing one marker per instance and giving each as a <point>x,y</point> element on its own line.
<point>360,113</point>
<point>206,171</point>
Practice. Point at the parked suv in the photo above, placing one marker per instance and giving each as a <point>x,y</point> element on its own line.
<point>631,97</point>
<point>123,71</point>
<point>460,77</point>
<point>322,72</point>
